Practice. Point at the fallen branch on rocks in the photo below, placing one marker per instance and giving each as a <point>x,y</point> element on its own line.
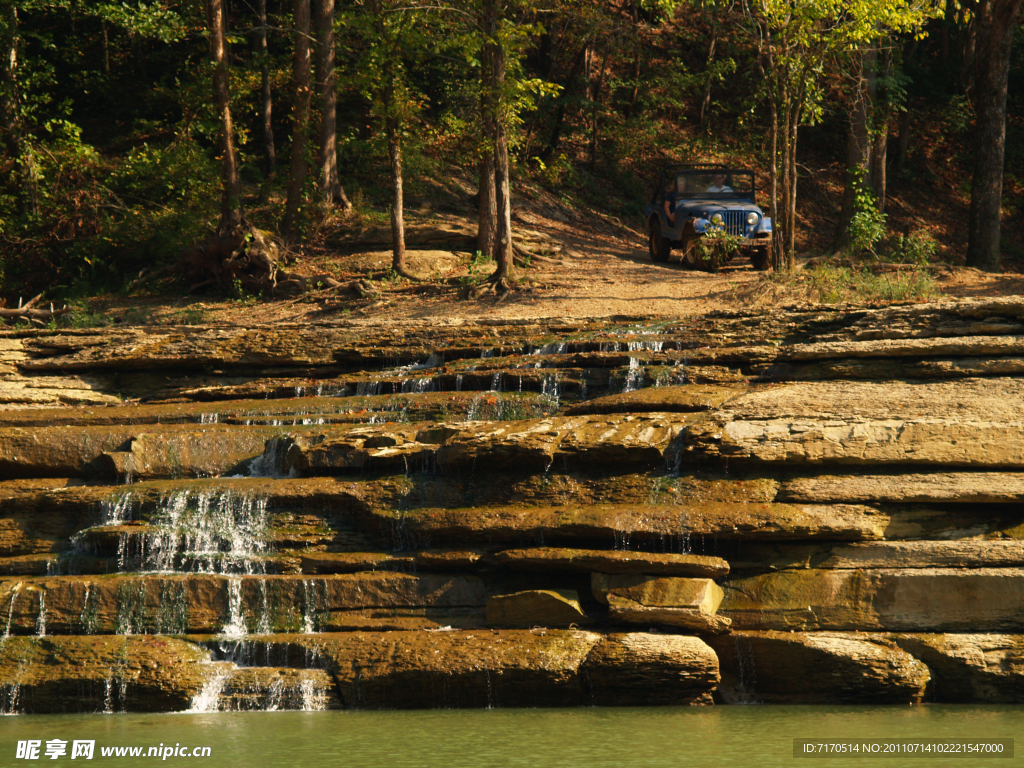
<point>29,312</point>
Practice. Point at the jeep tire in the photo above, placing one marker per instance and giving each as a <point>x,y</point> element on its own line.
<point>659,247</point>
<point>691,257</point>
<point>761,258</point>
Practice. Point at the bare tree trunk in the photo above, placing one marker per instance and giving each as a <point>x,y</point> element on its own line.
<point>300,119</point>
<point>269,153</point>
<point>596,110</point>
<point>793,176</point>
<point>705,103</point>
<point>995,22</point>
<point>231,216</point>
<point>487,213</point>
<point>25,179</point>
<point>106,48</point>
<point>331,191</point>
<point>787,224</point>
<point>858,147</point>
<point>397,196</point>
<point>880,128</point>
<point>503,253</point>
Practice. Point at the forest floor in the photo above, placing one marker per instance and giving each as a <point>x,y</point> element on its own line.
<point>593,265</point>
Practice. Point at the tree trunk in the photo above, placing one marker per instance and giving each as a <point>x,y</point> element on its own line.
<point>300,119</point>
<point>25,182</point>
<point>793,176</point>
<point>331,191</point>
<point>705,103</point>
<point>995,26</point>
<point>269,154</point>
<point>231,216</point>
<point>503,253</point>
<point>397,199</point>
<point>879,128</point>
<point>858,148</point>
<point>487,212</point>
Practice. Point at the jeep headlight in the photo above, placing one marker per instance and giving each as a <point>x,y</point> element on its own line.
<point>751,219</point>
<point>717,219</point>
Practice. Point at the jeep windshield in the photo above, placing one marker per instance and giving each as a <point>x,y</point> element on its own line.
<point>710,184</point>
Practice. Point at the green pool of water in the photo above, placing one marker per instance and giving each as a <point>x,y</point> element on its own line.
<point>723,737</point>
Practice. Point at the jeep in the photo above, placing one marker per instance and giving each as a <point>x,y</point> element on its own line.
<point>707,201</point>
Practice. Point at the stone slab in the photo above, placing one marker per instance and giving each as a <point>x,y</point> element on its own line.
<point>54,675</point>
<point>677,602</point>
<point>614,561</point>
<point>675,399</point>
<point>971,668</point>
<point>907,600</point>
<point>644,669</point>
<point>536,608</point>
<point>817,668</point>
<point>935,487</point>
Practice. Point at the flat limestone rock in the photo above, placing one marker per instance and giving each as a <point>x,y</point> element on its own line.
<point>970,346</point>
<point>817,668</point>
<point>143,452</point>
<point>351,562</point>
<point>975,400</point>
<point>971,667</point>
<point>958,487</point>
<point>959,553</point>
<point>678,602</point>
<point>613,523</point>
<point>614,561</point>
<point>457,669</point>
<point>202,603</point>
<point>644,669</point>
<point>972,553</point>
<point>88,674</point>
<point>528,444</point>
<point>536,608</point>
<point>898,600</point>
<point>855,441</point>
<point>684,398</point>
<point>402,619</point>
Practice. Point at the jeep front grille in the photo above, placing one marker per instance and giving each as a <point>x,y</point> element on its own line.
<point>735,222</point>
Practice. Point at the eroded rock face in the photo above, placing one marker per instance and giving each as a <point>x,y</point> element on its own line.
<point>611,561</point>
<point>201,604</point>
<point>425,494</point>
<point>934,487</point>
<point>910,600</point>
<point>644,669</point>
<point>92,674</point>
<point>689,604</point>
<point>536,608</point>
<point>407,670</point>
<point>817,668</point>
<point>682,399</point>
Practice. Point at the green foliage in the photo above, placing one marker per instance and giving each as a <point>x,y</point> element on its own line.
<point>480,266</point>
<point>867,227</point>
<point>917,247</point>
<point>716,247</point>
<point>841,284</point>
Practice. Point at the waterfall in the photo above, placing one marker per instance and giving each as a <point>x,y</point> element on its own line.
<point>41,618</point>
<point>235,626</point>
<point>205,532</point>
<point>634,376</point>
<point>208,697</point>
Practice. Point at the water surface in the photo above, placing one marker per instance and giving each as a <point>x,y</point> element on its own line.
<point>723,737</point>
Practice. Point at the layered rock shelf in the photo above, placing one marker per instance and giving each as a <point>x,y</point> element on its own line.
<point>820,506</point>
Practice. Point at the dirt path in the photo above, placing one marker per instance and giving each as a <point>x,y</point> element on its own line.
<point>602,269</point>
